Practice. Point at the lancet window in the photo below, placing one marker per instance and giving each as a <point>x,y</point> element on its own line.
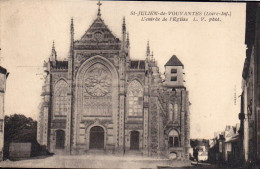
<point>60,98</point>
<point>135,99</point>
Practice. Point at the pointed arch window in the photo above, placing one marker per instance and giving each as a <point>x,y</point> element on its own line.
<point>175,116</point>
<point>170,112</point>
<point>60,98</point>
<point>173,139</point>
<point>135,99</point>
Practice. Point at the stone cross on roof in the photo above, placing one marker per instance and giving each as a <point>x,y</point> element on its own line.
<point>99,4</point>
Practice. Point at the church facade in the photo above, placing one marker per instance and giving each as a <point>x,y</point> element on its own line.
<point>101,99</point>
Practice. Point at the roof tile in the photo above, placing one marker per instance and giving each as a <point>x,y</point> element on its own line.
<point>174,61</point>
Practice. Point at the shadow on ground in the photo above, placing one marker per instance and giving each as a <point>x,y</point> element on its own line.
<point>32,158</point>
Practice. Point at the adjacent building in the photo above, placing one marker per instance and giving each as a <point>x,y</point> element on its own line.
<point>250,97</point>
<point>100,99</point>
<point>3,77</point>
<point>226,146</point>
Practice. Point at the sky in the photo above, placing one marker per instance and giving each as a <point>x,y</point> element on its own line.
<point>213,53</point>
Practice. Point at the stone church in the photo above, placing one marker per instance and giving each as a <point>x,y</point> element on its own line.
<point>99,99</point>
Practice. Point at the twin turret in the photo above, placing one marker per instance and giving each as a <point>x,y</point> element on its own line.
<point>53,57</point>
<point>149,56</point>
<point>71,37</point>
<point>125,45</point>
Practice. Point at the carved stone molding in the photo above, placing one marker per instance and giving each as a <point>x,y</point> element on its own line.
<point>138,76</point>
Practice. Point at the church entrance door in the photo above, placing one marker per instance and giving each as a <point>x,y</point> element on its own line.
<point>60,138</point>
<point>134,140</point>
<point>96,138</point>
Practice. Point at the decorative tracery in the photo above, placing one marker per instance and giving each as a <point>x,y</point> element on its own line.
<point>60,97</point>
<point>135,99</point>
<point>98,81</point>
<point>97,90</point>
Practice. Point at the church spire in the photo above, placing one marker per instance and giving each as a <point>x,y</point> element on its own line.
<point>71,36</point>
<point>124,40</point>
<point>148,50</point>
<point>152,59</point>
<point>99,4</point>
<point>53,53</point>
<point>72,26</point>
<point>127,40</point>
<point>123,26</point>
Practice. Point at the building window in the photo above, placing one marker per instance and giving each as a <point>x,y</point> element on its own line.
<point>60,97</point>
<point>174,78</point>
<point>175,116</point>
<point>173,70</point>
<point>98,91</point>
<point>176,141</point>
<point>173,138</point>
<point>170,112</point>
<point>135,99</point>
<point>170,144</point>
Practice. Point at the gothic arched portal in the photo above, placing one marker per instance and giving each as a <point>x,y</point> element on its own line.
<point>134,140</point>
<point>96,138</point>
<point>96,85</point>
<point>60,139</point>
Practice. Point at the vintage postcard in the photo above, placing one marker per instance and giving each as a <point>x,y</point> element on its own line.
<point>129,84</point>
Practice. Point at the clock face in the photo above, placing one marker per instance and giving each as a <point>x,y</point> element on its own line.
<point>98,36</point>
<point>98,82</point>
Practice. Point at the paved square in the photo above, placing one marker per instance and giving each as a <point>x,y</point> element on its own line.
<point>95,161</point>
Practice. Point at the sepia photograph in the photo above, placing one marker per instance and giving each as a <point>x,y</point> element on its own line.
<point>129,84</point>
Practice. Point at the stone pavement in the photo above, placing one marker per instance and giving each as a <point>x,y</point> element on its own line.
<point>211,166</point>
<point>95,161</point>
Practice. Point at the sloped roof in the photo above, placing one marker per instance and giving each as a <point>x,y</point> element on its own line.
<point>98,37</point>
<point>3,70</point>
<point>98,26</point>
<point>233,139</point>
<point>174,61</point>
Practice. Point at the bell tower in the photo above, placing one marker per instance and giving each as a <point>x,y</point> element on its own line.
<point>174,71</point>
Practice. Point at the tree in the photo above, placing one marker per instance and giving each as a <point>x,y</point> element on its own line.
<point>199,142</point>
<point>19,128</point>
<point>194,143</point>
